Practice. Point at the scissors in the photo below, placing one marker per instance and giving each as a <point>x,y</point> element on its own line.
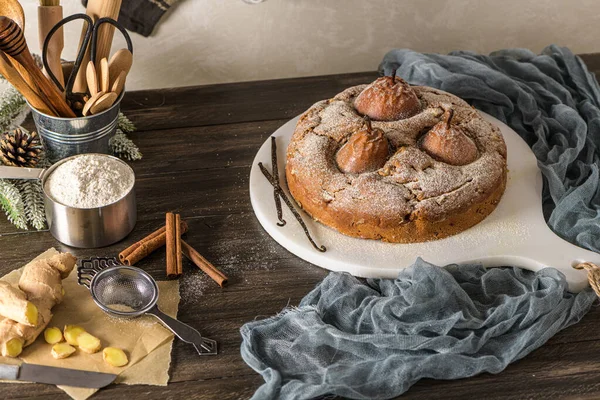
<point>91,34</point>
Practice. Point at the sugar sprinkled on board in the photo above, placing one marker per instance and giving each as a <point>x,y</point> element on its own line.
<point>90,181</point>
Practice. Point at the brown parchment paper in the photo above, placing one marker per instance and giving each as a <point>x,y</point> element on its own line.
<point>146,342</point>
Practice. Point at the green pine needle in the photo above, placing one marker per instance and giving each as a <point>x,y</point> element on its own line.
<point>13,109</point>
<point>33,200</point>
<point>12,204</point>
<point>123,147</point>
<point>125,124</point>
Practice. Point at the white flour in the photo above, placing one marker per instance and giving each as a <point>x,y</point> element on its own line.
<point>89,181</point>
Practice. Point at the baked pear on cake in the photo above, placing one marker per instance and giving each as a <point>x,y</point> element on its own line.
<point>449,143</point>
<point>389,98</point>
<point>366,150</point>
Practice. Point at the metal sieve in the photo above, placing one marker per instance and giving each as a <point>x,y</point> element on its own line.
<point>129,292</point>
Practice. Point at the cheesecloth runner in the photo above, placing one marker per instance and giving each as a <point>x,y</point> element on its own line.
<point>373,339</point>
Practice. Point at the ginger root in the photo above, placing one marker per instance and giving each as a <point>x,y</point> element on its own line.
<point>14,305</point>
<point>62,350</point>
<point>53,335</point>
<point>115,357</point>
<point>26,311</point>
<point>71,333</point>
<point>88,343</point>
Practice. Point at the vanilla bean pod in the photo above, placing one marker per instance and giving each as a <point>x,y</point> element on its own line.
<point>288,203</point>
<point>276,176</point>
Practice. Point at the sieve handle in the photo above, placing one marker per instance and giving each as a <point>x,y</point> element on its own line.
<point>21,173</point>
<point>204,346</point>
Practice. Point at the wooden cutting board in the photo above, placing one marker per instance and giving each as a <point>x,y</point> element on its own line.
<point>514,234</point>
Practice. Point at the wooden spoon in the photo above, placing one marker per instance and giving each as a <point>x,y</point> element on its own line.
<point>13,10</point>
<point>12,75</point>
<point>88,104</point>
<point>120,61</point>
<point>119,83</point>
<point>104,76</point>
<point>103,103</point>
<point>92,78</point>
<point>13,43</point>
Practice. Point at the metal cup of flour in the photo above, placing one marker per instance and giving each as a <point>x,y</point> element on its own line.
<point>78,226</point>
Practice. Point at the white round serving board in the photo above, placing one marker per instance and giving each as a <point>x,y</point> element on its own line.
<point>515,233</point>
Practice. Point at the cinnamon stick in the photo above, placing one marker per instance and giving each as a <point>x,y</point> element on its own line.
<point>143,248</point>
<point>178,245</point>
<point>125,253</point>
<point>171,245</point>
<point>203,264</point>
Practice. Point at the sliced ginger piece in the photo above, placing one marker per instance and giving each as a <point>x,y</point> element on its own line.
<point>88,343</point>
<point>13,347</point>
<point>71,333</point>
<point>31,314</point>
<point>62,350</point>
<point>114,356</point>
<point>53,335</point>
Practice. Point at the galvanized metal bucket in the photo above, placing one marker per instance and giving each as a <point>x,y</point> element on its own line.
<point>65,137</point>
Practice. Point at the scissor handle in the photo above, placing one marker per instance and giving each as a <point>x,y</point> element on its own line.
<point>114,23</point>
<point>91,33</point>
<point>84,44</point>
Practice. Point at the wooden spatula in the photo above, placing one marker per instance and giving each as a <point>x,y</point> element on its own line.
<point>104,78</point>
<point>120,61</point>
<point>13,43</point>
<point>92,78</point>
<point>103,103</point>
<point>91,101</point>
<point>119,83</point>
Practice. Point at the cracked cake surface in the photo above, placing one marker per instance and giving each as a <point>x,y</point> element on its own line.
<point>417,195</point>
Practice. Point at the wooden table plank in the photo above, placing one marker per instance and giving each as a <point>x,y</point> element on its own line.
<point>233,103</point>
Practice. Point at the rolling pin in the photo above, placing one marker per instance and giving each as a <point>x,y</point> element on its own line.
<point>97,9</point>
<point>48,16</point>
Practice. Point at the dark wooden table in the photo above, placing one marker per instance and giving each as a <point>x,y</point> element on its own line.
<point>198,145</point>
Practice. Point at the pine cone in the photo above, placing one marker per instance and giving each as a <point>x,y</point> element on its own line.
<point>20,149</point>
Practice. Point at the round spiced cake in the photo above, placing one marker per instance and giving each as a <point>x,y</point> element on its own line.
<point>395,162</point>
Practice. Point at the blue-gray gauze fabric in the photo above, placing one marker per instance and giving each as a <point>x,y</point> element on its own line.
<point>373,339</point>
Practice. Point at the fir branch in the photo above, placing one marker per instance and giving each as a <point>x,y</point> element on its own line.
<point>123,147</point>
<point>12,204</point>
<point>13,109</point>
<point>125,124</point>
<point>33,201</point>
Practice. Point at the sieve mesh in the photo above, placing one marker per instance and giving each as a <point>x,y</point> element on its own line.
<point>124,291</point>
